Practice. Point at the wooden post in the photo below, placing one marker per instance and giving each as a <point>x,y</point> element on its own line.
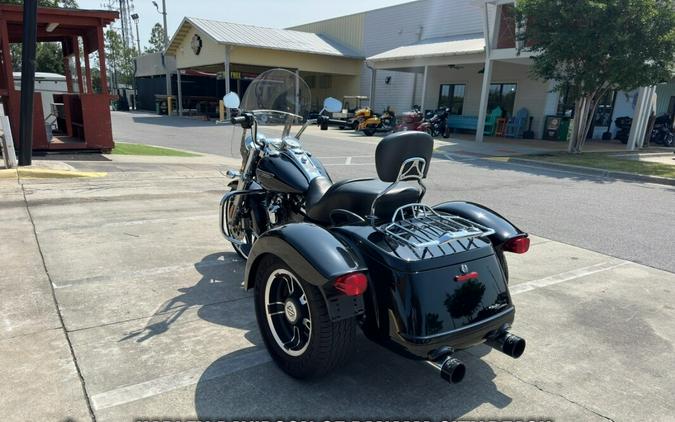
<point>101,60</point>
<point>6,57</point>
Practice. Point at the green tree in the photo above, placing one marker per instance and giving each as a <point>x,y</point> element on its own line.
<point>119,58</point>
<point>156,39</point>
<point>598,46</point>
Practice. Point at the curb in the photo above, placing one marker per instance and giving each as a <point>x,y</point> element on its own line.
<point>589,171</point>
<point>24,173</point>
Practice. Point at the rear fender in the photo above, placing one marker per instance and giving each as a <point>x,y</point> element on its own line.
<point>317,256</point>
<point>504,229</point>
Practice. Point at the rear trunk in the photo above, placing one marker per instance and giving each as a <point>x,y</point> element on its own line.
<point>422,299</point>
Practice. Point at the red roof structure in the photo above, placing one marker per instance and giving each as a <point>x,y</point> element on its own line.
<point>81,117</point>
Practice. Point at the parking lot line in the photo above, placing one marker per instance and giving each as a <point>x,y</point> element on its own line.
<point>172,382</point>
<point>566,276</point>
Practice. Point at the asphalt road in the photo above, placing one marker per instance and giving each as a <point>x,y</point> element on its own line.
<point>628,220</point>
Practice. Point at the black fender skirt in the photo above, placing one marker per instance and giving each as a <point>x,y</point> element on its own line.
<point>317,256</point>
<point>504,229</point>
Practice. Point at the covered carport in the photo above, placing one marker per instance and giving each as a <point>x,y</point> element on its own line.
<point>238,53</point>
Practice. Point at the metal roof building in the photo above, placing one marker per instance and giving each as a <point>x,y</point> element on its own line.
<point>235,54</point>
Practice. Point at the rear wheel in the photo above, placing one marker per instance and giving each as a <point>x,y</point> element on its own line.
<point>369,131</point>
<point>295,325</point>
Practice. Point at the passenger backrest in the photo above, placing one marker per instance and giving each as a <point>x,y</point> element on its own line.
<point>398,148</point>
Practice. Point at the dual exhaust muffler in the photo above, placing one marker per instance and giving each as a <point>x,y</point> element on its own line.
<point>453,370</point>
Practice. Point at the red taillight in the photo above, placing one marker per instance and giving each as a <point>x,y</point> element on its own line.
<point>353,284</point>
<point>518,245</point>
<point>466,277</point>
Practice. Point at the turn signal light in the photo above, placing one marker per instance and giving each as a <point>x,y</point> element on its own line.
<point>353,284</point>
<point>518,245</point>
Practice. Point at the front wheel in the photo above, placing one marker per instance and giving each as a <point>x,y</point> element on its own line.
<point>294,322</point>
<point>240,231</point>
<point>369,131</point>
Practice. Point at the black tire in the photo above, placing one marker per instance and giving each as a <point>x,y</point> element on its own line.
<point>369,131</point>
<point>330,343</point>
<point>503,263</point>
<point>355,124</point>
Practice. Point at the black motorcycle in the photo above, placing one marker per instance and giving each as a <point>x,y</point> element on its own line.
<point>325,257</point>
<point>436,125</point>
<point>662,132</point>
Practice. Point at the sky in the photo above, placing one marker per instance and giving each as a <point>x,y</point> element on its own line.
<point>270,13</point>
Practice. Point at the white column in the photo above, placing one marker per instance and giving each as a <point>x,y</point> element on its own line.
<point>637,119</point>
<point>180,93</point>
<point>487,74</point>
<point>227,76</point>
<point>484,95</point>
<point>424,88</point>
<point>373,80</point>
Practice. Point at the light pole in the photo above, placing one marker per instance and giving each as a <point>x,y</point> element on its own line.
<point>166,45</point>
<point>138,37</point>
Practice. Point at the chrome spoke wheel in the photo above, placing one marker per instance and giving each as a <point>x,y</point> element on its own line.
<point>287,312</point>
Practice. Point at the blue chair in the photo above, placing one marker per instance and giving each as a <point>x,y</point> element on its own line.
<point>517,124</point>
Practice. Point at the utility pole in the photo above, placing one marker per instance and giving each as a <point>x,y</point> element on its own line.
<point>166,45</point>
<point>27,82</point>
<point>138,37</point>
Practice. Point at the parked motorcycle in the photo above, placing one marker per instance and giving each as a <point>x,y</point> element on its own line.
<point>437,124</point>
<point>411,120</point>
<point>369,123</point>
<point>623,125</point>
<point>662,132</point>
<point>325,257</point>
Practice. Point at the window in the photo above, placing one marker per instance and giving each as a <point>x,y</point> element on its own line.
<point>504,96</point>
<point>452,96</point>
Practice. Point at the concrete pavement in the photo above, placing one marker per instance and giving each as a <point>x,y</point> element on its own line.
<point>122,297</point>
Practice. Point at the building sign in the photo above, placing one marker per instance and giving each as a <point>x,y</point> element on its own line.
<point>196,44</point>
<point>247,76</point>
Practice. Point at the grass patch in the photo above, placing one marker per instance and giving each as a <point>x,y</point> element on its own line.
<point>122,148</point>
<point>604,161</point>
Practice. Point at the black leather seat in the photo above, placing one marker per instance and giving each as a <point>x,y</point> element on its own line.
<point>357,195</point>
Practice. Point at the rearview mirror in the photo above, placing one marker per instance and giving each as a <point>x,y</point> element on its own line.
<point>231,100</point>
<point>332,105</point>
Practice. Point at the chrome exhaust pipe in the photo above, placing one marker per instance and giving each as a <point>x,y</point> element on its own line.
<point>507,343</point>
<point>452,369</point>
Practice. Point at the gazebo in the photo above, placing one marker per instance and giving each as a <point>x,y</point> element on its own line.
<point>79,119</point>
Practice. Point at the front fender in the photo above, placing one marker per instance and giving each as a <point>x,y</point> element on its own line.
<point>504,229</point>
<point>317,256</point>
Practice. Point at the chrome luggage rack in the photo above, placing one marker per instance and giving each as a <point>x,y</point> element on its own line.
<point>420,226</point>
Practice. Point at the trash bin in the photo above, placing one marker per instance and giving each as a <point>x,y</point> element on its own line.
<point>556,127</point>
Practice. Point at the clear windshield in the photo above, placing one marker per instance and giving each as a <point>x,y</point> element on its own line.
<point>276,97</point>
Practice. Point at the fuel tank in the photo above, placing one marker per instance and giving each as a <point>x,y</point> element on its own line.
<point>421,299</point>
<point>288,171</point>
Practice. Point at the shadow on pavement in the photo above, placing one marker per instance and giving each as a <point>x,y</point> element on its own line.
<point>484,162</point>
<point>376,384</point>
<point>172,121</point>
<point>221,276</point>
